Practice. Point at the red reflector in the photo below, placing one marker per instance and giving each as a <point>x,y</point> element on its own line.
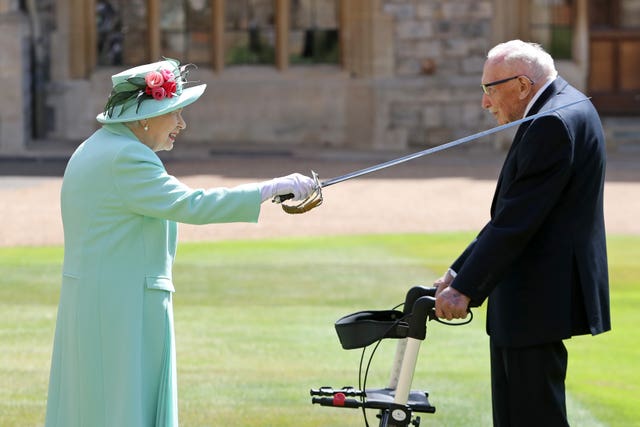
<point>338,399</point>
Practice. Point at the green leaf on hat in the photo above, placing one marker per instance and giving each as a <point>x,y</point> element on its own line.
<point>141,97</point>
<point>118,99</point>
<point>138,81</point>
<point>125,87</point>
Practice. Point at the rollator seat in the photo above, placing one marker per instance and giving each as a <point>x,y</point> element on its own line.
<point>364,328</point>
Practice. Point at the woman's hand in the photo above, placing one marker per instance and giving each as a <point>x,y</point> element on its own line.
<point>301,186</point>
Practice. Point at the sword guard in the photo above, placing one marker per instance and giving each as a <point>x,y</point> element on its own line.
<point>312,201</point>
<point>306,205</point>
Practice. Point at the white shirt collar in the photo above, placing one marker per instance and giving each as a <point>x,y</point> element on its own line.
<point>537,95</point>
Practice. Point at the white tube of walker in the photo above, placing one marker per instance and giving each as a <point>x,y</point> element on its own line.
<point>397,363</point>
<point>409,362</point>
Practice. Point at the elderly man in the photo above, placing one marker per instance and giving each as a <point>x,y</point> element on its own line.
<point>541,260</point>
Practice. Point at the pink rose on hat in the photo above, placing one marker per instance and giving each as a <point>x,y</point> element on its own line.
<point>160,84</point>
<point>167,75</point>
<point>154,79</point>
<point>158,93</point>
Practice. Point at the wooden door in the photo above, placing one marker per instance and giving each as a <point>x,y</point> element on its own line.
<point>614,71</point>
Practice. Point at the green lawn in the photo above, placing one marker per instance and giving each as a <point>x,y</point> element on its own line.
<point>254,327</point>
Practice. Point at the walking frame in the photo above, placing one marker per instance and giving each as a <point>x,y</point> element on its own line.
<point>396,403</point>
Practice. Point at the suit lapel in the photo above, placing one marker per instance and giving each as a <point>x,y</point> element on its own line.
<point>555,87</point>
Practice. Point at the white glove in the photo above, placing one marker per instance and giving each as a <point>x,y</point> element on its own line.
<point>299,185</point>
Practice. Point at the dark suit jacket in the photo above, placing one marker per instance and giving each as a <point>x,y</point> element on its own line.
<point>541,260</point>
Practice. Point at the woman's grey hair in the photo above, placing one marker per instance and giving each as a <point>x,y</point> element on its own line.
<point>538,64</point>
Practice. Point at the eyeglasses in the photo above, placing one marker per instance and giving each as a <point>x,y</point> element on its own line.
<point>486,86</point>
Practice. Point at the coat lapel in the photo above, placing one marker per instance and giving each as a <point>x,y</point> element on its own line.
<point>554,88</point>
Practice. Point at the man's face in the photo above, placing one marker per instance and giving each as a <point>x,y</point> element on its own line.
<point>507,100</point>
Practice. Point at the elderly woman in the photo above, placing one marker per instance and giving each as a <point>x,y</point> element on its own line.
<point>114,359</point>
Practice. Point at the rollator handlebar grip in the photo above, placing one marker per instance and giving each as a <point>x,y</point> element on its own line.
<point>336,401</point>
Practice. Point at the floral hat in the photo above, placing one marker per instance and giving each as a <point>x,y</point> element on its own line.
<point>149,90</point>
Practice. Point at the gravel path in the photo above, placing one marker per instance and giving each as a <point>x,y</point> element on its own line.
<point>443,192</point>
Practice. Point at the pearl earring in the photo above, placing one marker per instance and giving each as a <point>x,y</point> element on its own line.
<point>146,127</point>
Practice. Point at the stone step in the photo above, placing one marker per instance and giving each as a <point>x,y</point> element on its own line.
<point>622,133</point>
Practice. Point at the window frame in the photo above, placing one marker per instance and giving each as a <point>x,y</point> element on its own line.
<point>551,26</point>
<point>82,41</point>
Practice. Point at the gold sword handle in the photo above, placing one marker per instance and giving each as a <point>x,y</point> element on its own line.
<point>313,200</point>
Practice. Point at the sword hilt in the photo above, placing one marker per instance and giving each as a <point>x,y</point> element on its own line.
<point>283,198</point>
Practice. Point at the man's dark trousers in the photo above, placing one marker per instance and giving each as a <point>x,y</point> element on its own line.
<point>527,385</point>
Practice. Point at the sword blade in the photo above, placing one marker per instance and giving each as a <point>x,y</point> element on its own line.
<point>442,147</point>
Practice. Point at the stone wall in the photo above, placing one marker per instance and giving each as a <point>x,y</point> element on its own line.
<point>440,48</point>
<point>15,81</point>
<point>411,78</point>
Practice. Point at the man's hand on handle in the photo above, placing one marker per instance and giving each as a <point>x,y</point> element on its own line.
<point>450,304</point>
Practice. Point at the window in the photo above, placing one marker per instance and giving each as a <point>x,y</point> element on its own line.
<point>185,30</point>
<point>551,24</point>
<point>603,14</point>
<point>249,36</point>
<point>630,18</point>
<point>314,37</point>
<point>217,32</point>
<point>121,27</point>
<point>619,14</point>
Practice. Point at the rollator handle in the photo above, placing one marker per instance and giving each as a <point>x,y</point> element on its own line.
<point>417,292</point>
<point>337,400</point>
<point>422,310</point>
<point>330,391</point>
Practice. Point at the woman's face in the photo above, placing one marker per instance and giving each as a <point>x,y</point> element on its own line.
<point>163,130</point>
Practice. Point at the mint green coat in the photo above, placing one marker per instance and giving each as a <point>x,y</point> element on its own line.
<point>114,357</point>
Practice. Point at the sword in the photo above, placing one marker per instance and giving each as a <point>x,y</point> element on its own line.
<point>317,195</point>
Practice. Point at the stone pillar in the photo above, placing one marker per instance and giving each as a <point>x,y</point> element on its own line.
<point>15,81</point>
<point>368,42</point>
<point>367,39</point>
<point>581,43</point>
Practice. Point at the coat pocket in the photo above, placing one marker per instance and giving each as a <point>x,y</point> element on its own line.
<point>159,283</point>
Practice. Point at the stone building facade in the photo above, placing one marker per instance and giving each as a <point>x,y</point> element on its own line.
<point>397,75</point>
